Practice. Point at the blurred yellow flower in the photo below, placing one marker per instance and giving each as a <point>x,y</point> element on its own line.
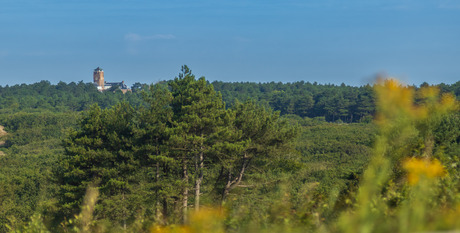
<point>429,92</point>
<point>418,168</point>
<point>170,229</point>
<point>448,103</point>
<point>202,221</point>
<point>397,101</point>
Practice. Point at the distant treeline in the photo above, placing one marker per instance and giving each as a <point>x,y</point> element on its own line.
<point>60,97</point>
<point>305,99</point>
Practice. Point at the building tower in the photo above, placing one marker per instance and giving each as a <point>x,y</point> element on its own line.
<point>98,78</point>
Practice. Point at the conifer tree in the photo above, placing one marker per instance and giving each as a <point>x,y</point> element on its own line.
<point>99,152</point>
<point>257,134</point>
<point>198,112</point>
<point>152,131</point>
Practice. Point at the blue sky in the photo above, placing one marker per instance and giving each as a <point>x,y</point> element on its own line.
<point>327,41</point>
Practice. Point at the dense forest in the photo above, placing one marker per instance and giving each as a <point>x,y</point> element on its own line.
<point>187,155</point>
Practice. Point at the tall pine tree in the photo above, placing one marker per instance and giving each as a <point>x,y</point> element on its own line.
<point>198,117</point>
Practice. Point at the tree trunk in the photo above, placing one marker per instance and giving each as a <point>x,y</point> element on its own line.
<point>157,196</point>
<point>165,210</point>
<point>185,192</point>
<point>157,180</point>
<point>232,183</point>
<point>199,179</point>
<point>124,210</point>
<point>164,199</point>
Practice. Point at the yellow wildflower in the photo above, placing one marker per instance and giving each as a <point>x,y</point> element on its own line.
<point>448,103</point>
<point>395,100</point>
<point>417,168</point>
<point>170,229</point>
<point>204,220</point>
<point>430,92</point>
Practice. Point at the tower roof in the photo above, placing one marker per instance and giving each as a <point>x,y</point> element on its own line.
<point>98,69</point>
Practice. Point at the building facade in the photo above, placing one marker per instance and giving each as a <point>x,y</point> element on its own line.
<point>98,78</point>
<point>102,85</point>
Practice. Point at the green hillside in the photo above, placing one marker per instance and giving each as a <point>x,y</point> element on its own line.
<point>186,155</point>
